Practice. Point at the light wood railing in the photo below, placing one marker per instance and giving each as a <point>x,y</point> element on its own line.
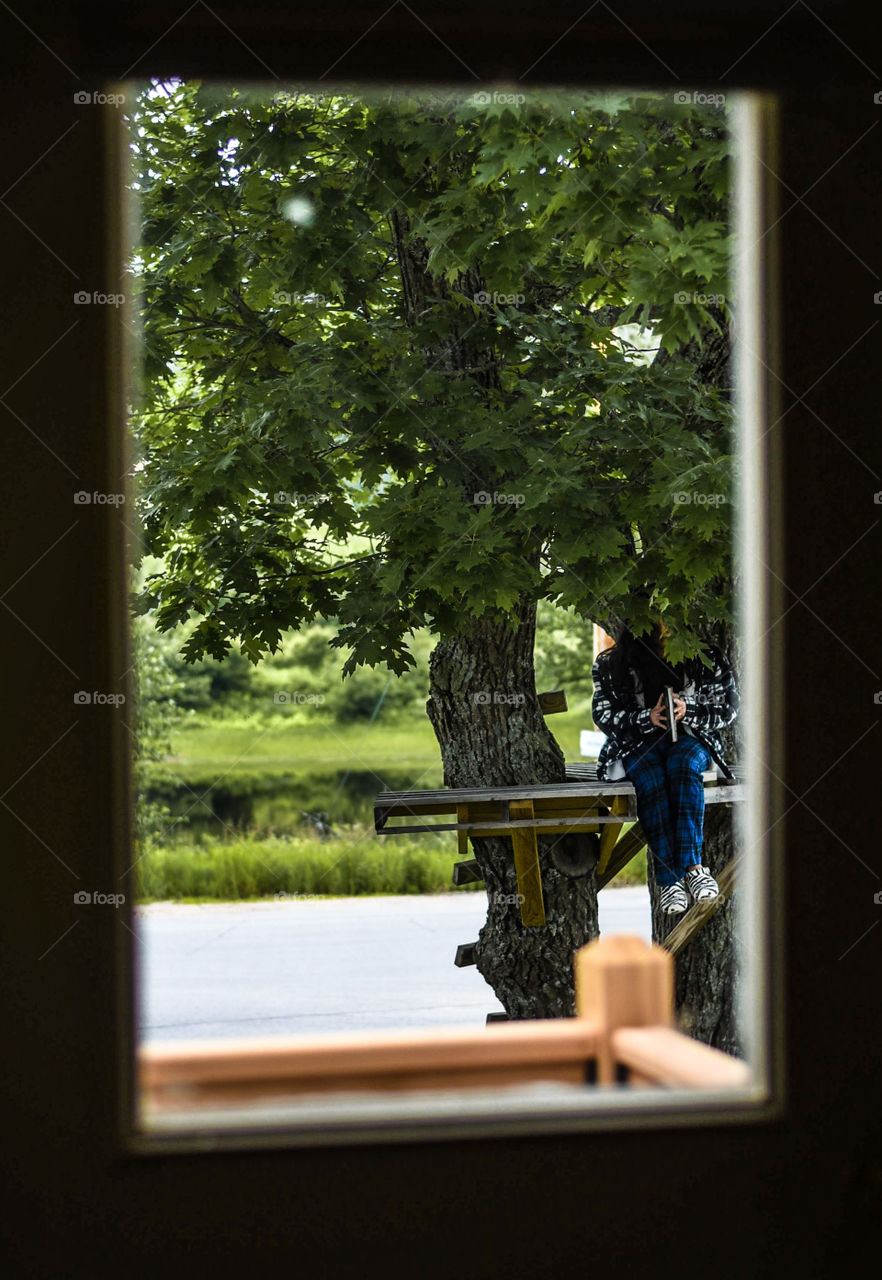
<point>623,1030</point>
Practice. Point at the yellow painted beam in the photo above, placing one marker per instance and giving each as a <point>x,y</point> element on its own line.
<point>610,833</point>
<point>526,860</point>
<point>462,837</point>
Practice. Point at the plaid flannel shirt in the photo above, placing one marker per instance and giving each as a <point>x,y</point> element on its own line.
<point>620,712</point>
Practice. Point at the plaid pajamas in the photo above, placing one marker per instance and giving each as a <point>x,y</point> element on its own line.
<point>670,802</point>
<point>619,710</point>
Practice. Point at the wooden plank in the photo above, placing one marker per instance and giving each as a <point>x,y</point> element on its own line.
<point>549,703</point>
<point>611,832</point>
<point>667,1057</point>
<point>465,954</point>
<point>467,873</point>
<point>627,848</point>
<point>419,800</point>
<point>462,835</point>
<point>624,998</point>
<point>602,792</point>
<point>700,912</point>
<point>548,804</point>
<point>182,1075</point>
<point>559,825</point>
<point>526,860</point>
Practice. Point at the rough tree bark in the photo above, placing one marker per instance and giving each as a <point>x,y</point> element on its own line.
<point>486,715</point>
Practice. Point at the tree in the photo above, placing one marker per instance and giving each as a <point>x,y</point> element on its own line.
<point>388,381</point>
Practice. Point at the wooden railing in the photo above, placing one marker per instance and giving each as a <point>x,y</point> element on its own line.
<point>623,1030</point>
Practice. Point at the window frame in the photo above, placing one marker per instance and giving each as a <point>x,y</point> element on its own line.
<point>760,540</point>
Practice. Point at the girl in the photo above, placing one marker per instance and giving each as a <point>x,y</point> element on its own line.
<point>629,706</point>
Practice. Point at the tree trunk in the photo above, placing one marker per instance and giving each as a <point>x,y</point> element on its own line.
<point>486,716</point>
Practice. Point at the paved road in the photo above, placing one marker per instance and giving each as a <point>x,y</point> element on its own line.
<point>340,964</point>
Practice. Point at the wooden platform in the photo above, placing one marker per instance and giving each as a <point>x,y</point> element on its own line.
<point>581,805</point>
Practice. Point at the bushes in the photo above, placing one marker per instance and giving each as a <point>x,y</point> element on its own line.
<point>354,863</point>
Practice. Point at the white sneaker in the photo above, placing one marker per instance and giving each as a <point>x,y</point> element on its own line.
<point>701,884</point>
<point>672,899</point>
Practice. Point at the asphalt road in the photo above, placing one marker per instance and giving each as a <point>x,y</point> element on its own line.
<point>340,964</point>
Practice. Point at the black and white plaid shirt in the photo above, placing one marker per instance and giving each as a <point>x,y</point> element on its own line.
<point>620,711</point>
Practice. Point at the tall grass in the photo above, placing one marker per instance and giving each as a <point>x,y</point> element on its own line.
<point>354,863</point>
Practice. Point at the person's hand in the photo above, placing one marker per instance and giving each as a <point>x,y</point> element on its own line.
<point>659,713</point>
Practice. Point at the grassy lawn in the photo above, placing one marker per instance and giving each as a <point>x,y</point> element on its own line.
<point>246,743</point>
<point>354,863</point>
<point>249,864</point>
<point>285,747</point>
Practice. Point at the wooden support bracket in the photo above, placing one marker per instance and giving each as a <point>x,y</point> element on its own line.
<point>462,837</point>
<point>611,832</point>
<point>526,860</point>
<point>549,703</point>
<point>467,873</point>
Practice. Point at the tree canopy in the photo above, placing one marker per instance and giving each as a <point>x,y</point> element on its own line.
<point>392,365</point>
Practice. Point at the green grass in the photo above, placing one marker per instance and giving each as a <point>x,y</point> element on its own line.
<point>355,863</point>
<point>246,744</point>
<point>259,754</point>
<point>284,744</point>
<point>352,864</point>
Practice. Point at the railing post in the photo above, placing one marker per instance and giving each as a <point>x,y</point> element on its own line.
<point>622,981</point>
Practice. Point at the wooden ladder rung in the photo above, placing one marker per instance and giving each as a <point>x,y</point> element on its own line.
<point>467,873</point>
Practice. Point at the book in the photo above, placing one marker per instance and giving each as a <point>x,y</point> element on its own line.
<point>669,697</point>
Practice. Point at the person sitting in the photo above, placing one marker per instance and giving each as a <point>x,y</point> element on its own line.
<point>630,706</point>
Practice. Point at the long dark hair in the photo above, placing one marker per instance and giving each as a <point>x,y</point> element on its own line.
<point>645,653</point>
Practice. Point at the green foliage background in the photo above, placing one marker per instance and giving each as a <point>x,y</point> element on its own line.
<point>313,460</point>
<point>307,449</point>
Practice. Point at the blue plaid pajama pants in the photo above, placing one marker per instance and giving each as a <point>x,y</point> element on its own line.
<point>670,802</point>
